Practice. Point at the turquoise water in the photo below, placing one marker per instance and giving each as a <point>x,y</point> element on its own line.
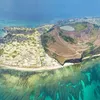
<point>69,83</point>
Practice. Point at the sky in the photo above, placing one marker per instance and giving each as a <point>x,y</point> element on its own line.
<point>39,10</point>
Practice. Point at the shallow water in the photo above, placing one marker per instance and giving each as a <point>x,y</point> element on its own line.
<point>69,83</point>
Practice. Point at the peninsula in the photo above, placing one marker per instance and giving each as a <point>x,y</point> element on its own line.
<point>49,47</point>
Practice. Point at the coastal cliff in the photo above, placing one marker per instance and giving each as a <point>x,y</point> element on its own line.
<point>72,42</point>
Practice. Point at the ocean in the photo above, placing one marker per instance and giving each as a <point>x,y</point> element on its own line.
<point>17,23</point>
<point>80,82</point>
<point>70,83</point>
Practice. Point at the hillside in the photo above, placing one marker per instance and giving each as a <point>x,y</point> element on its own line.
<point>71,42</point>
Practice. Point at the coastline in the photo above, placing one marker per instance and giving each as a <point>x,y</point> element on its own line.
<point>42,68</point>
<point>20,68</point>
<point>97,55</point>
<point>35,69</point>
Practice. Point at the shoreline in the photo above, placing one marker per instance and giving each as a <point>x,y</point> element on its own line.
<point>12,67</point>
<point>35,69</point>
<point>42,68</point>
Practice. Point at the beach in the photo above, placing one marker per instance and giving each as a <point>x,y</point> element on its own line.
<point>35,69</point>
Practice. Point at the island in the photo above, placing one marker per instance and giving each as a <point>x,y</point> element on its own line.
<point>51,46</point>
